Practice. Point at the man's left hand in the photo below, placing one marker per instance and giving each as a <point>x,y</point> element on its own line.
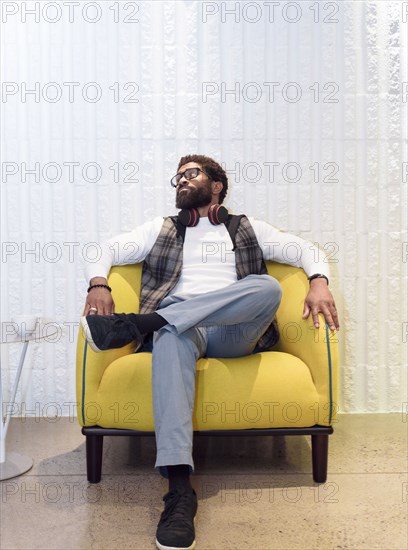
<point>320,300</point>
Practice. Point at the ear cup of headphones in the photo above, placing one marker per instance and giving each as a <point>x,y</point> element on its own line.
<point>189,217</point>
<point>217,214</point>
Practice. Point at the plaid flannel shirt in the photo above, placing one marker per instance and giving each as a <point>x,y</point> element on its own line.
<point>162,268</point>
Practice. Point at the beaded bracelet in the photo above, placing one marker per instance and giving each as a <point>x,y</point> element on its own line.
<point>100,286</point>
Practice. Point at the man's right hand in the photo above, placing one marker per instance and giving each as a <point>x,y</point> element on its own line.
<point>99,300</point>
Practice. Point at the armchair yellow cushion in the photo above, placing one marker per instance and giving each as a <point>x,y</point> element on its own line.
<point>292,386</point>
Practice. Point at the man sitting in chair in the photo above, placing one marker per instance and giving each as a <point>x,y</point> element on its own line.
<point>205,291</point>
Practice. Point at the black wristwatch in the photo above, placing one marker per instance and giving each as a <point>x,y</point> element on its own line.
<point>318,276</point>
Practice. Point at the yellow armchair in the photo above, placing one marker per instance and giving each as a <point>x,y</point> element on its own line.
<point>291,390</point>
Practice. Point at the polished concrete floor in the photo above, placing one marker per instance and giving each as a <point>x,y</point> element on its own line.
<point>254,493</point>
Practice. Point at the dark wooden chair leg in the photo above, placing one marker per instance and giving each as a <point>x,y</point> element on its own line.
<point>320,453</point>
<point>94,447</point>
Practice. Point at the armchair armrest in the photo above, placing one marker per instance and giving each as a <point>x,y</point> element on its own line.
<point>317,348</point>
<point>90,366</point>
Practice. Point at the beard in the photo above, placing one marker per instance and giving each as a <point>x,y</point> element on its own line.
<point>194,198</point>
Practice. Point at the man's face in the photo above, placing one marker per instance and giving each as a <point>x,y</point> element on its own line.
<point>193,193</point>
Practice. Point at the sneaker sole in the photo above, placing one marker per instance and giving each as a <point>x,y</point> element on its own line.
<point>161,547</point>
<point>88,336</point>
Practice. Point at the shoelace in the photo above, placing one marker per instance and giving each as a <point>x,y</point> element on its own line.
<point>181,501</point>
<point>122,321</point>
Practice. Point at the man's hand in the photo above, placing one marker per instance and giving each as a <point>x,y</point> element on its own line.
<point>99,300</point>
<point>320,300</point>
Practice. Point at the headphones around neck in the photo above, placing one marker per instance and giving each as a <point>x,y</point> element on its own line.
<point>217,214</point>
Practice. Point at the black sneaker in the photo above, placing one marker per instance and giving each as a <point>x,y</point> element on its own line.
<point>104,332</point>
<point>176,526</point>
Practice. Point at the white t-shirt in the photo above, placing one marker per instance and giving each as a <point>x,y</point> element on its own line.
<point>208,258</point>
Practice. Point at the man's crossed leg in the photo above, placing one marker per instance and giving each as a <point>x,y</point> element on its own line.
<point>224,323</point>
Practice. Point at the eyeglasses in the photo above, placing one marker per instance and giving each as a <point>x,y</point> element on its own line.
<point>189,174</point>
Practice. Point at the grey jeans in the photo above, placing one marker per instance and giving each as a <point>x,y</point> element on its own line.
<point>224,323</point>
